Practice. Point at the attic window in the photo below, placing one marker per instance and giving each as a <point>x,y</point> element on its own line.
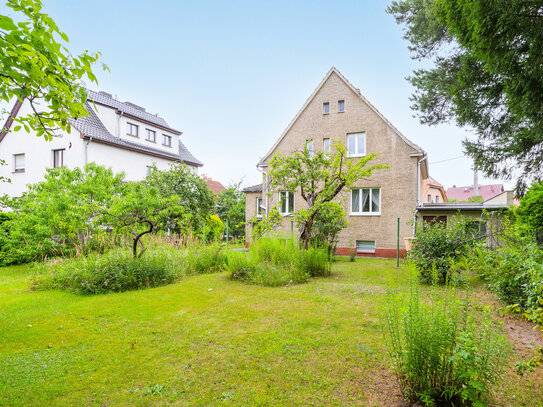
<point>132,130</point>
<point>326,108</point>
<point>166,140</point>
<point>151,135</point>
<point>341,106</point>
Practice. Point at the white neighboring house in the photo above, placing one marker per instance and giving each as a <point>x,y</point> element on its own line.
<point>118,135</point>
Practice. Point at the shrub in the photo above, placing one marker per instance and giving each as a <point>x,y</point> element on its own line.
<point>276,262</point>
<point>438,245</point>
<point>118,270</point>
<point>441,351</point>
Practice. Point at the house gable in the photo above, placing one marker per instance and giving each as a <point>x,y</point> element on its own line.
<point>333,88</point>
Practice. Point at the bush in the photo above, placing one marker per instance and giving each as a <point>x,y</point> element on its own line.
<point>441,351</point>
<point>438,245</point>
<point>275,262</point>
<point>515,273</point>
<point>118,270</point>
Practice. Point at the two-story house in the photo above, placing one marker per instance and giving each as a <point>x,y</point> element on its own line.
<point>337,111</point>
<point>119,135</point>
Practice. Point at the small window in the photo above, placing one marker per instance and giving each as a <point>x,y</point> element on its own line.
<point>326,108</point>
<point>429,198</point>
<point>326,145</point>
<point>309,146</point>
<point>356,144</point>
<point>259,207</point>
<point>58,158</point>
<point>433,220</point>
<point>437,199</point>
<point>166,140</point>
<point>18,163</point>
<point>341,106</point>
<point>151,135</point>
<point>286,202</point>
<point>150,169</point>
<point>366,201</point>
<point>132,130</point>
<point>365,246</point>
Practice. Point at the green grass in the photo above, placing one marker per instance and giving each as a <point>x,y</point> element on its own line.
<point>209,340</point>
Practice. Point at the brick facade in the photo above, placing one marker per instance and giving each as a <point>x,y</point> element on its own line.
<point>398,184</point>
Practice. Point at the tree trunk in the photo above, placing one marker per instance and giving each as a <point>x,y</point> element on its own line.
<point>137,239</point>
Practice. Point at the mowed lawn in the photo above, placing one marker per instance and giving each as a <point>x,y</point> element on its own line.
<point>210,340</point>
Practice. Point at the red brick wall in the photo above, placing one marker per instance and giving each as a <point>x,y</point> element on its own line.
<point>386,253</point>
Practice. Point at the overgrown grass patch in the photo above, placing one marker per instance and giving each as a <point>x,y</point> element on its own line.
<point>276,262</point>
<point>118,270</point>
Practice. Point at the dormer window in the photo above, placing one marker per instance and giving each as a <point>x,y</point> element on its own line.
<point>132,130</point>
<point>151,135</point>
<point>166,140</point>
<point>326,108</point>
<point>341,106</point>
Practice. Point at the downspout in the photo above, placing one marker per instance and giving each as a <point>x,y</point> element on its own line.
<point>266,182</point>
<point>119,124</point>
<point>87,150</point>
<point>418,192</point>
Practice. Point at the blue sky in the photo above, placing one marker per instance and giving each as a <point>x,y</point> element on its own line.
<point>232,74</point>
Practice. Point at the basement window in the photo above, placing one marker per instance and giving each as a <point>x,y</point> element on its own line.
<point>365,246</point>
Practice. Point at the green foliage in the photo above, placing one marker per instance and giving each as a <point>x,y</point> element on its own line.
<point>60,215</point>
<point>441,351</point>
<point>37,67</point>
<point>485,73</point>
<point>330,219</point>
<point>319,177</point>
<point>530,210</point>
<point>118,270</point>
<point>438,245</point>
<point>514,272</point>
<point>115,271</point>
<point>230,206</point>
<point>276,262</point>
<point>214,229</point>
<point>179,187</point>
<point>476,198</point>
<point>265,225</point>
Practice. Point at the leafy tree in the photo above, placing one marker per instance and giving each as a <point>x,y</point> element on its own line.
<point>319,177</point>
<point>486,74</point>
<point>531,208</point>
<point>329,221</point>
<point>58,215</point>
<point>37,67</point>
<point>185,189</point>
<point>230,206</point>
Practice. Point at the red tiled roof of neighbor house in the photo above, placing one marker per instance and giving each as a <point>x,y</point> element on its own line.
<point>464,193</point>
<point>215,186</point>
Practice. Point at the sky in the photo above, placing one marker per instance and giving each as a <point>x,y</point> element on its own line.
<point>231,75</point>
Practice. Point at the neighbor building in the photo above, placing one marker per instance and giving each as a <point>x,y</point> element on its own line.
<point>337,112</point>
<point>465,193</point>
<point>433,191</point>
<point>119,135</point>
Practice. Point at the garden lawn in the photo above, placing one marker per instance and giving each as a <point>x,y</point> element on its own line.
<point>210,340</point>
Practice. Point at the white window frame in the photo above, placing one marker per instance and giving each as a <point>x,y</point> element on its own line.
<point>365,251</point>
<point>339,102</point>
<point>147,133</point>
<point>356,144</point>
<point>289,199</point>
<point>360,212</point>
<point>258,207</point>
<point>326,105</point>
<point>326,151</point>
<point>54,161</point>
<point>22,168</point>
<point>310,147</point>
<point>129,127</point>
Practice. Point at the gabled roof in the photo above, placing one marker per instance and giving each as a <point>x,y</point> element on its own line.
<point>333,70</point>
<point>91,127</point>
<point>214,186</point>
<point>130,109</point>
